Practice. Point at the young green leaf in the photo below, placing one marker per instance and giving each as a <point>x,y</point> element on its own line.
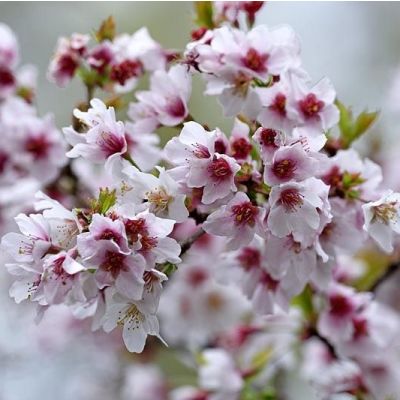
<point>204,14</point>
<point>106,30</point>
<point>352,128</point>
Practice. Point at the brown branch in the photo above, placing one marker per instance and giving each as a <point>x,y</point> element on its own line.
<point>390,271</point>
<point>314,333</point>
<point>186,245</point>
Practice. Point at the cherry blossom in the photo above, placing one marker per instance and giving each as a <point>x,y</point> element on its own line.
<point>313,107</point>
<point>200,165</point>
<point>298,209</point>
<point>166,101</point>
<point>161,193</point>
<point>382,219</point>
<point>239,220</point>
<point>136,323</point>
<point>9,52</point>
<point>105,138</point>
<point>251,247</point>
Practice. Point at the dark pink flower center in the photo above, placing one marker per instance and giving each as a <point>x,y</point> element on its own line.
<point>196,276</point>
<point>310,106</point>
<point>267,137</point>
<point>126,70</point>
<point>291,199</point>
<point>220,169</point>
<point>67,65</point>
<point>38,146</point>
<point>251,7</point>
<point>3,161</point>
<point>197,34</point>
<point>148,243</point>
<point>109,234</point>
<point>340,305</point>
<point>241,148</point>
<point>220,146</point>
<point>58,266</point>
<point>255,61</point>
<point>249,258</point>
<point>100,58</point>
<point>284,169</point>
<point>279,104</point>
<point>110,143</point>
<point>113,263</point>
<point>269,282</point>
<point>176,108</point>
<point>245,213</point>
<point>135,227</point>
<point>360,328</point>
<point>6,77</point>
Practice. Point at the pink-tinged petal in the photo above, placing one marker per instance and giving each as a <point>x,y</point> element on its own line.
<point>71,266</point>
<point>130,282</point>
<point>134,335</point>
<point>198,175</point>
<point>167,249</point>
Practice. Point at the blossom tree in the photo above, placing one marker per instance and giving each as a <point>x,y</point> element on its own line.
<point>240,249</point>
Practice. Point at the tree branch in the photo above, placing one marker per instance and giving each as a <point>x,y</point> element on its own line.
<point>390,271</point>
<point>186,245</point>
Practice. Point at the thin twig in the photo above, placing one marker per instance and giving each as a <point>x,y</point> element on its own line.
<point>313,332</point>
<point>391,270</point>
<point>128,157</point>
<point>89,93</point>
<point>185,246</point>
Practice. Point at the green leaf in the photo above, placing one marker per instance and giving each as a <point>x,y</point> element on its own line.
<point>260,359</point>
<point>168,268</point>
<point>89,76</point>
<point>204,14</point>
<point>305,303</point>
<point>106,30</point>
<point>105,201</point>
<point>352,128</point>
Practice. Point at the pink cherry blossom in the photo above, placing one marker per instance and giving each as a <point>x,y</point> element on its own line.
<point>336,322</point>
<point>67,58</point>
<point>269,141</point>
<point>381,219</point>
<point>9,52</point>
<point>239,220</point>
<point>34,240</point>
<point>290,163</point>
<point>105,138</point>
<point>101,230</point>
<point>167,99</point>
<point>199,165</point>
<point>297,208</point>
<point>150,234</point>
<point>113,267</point>
<point>315,106</point>
<point>136,323</point>
<point>161,193</point>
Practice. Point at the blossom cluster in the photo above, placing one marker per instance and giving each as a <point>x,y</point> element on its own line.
<point>32,149</point>
<point>243,244</point>
<point>118,61</point>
